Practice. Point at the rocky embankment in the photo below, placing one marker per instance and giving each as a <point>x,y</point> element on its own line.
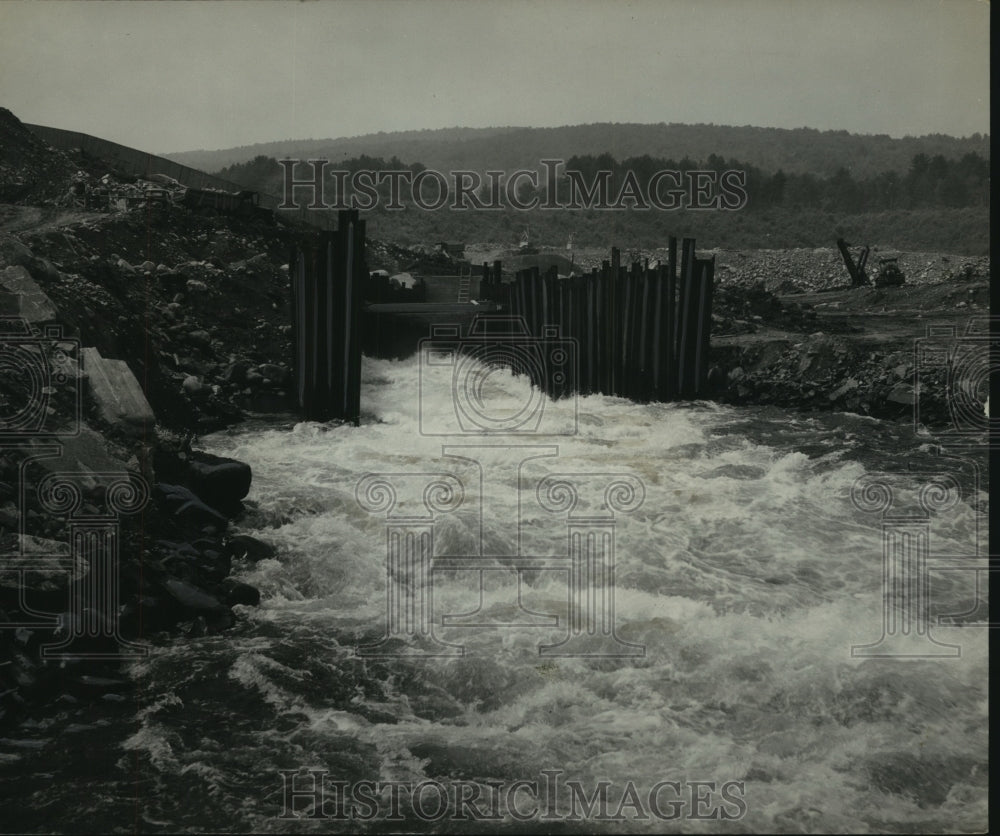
<point>822,269</point>
<point>125,332</point>
<point>139,331</point>
<point>786,331</point>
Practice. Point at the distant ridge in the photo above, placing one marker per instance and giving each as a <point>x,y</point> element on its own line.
<point>795,150</point>
<point>241,153</point>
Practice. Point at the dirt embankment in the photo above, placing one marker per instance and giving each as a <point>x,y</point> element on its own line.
<point>195,305</point>
<point>788,331</point>
<point>101,312</point>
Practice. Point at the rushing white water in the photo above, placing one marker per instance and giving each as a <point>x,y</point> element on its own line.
<point>747,574</point>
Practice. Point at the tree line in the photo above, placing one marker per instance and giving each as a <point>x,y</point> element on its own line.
<point>932,181</point>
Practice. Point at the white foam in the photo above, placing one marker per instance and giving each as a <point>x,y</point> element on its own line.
<point>748,575</point>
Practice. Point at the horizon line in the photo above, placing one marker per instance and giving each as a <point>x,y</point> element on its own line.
<point>370,134</point>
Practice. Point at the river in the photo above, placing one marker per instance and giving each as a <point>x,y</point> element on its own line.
<point>747,565</point>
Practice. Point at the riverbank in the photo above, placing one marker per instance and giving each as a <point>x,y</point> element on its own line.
<point>127,333</point>
<point>879,352</point>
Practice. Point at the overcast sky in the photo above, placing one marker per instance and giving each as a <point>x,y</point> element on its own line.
<point>175,76</point>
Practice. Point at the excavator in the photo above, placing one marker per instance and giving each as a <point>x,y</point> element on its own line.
<point>888,268</point>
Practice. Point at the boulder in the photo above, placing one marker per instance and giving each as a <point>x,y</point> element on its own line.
<point>901,393</point>
<point>273,372</point>
<point>85,453</point>
<point>219,481</point>
<point>215,566</point>
<point>236,372</point>
<point>185,505</point>
<point>237,592</point>
<point>13,251</point>
<point>190,597</point>
<point>44,269</point>
<point>195,389</point>
<point>847,386</point>
<point>245,547</point>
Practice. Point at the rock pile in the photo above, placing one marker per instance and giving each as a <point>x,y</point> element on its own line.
<point>743,310</point>
<point>34,173</point>
<point>30,170</point>
<point>196,304</point>
<point>192,305</point>
<point>783,271</point>
<point>804,270</point>
<point>174,567</point>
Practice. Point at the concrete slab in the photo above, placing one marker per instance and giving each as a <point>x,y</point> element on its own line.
<point>85,455</point>
<point>118,395</point>
<point>33,304</point>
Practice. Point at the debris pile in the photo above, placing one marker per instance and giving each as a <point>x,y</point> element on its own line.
<point>804,270</point>
<point>744,310</point>
<point>113,194</point>
<point>194,307</point>
<point>825,371</point>
<point>34,173</point>
<point>30,170</point>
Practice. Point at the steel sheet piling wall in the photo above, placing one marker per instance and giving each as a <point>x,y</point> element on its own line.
<point>327,275</point>
<point>640,332</point>
<point>704,319</point>
<point>685,320</point>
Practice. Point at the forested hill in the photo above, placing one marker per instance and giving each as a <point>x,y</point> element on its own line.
<point>938,204</point>
<point>795,151</point>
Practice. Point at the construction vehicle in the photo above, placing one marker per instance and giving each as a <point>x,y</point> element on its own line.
<point>888,268</point>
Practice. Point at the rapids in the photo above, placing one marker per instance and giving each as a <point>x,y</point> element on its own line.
<point>746,575</point>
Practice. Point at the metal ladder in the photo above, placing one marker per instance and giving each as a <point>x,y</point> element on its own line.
<point>464,287</point>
